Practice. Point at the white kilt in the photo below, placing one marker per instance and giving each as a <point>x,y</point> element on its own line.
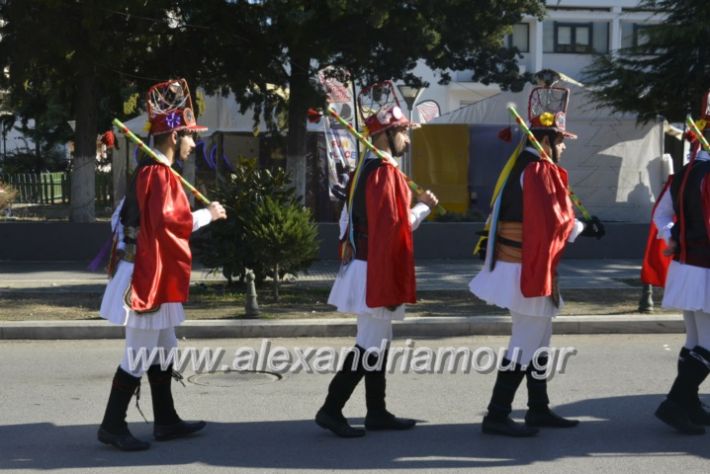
<point>349,292</point>
<point>115,310</point>
<point>687,288</point>
<point>501,287</point>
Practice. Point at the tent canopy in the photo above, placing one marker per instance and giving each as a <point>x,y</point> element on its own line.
<point>615,167</point>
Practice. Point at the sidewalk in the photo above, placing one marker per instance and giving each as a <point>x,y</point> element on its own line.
<point>595,275</point>
<point>431,275</point>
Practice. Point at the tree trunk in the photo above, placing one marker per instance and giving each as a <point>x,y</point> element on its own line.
<point>276,282</point>
<point>296,143</point>
<point>83,191</point>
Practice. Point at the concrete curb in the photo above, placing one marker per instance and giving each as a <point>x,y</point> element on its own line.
<point>411,327</point>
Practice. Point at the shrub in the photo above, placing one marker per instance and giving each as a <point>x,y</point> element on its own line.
<point>7,195</point>
<point>266,230</point>
<point>283,237</point>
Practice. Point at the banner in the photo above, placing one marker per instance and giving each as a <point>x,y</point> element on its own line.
<point>341,147</point>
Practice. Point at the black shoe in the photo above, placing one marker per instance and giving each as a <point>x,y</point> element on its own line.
<point>338,425</point>
<point>548,419</point>
<point>699,414</point>
<point>124,441</point>
<point>177,430</point>
<point>674,415</point>
<point>507,427</point>
<point>388,421</point>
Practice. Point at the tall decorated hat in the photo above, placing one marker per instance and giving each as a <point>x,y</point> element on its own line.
<point>379,108</point>
<point>547,105</point>
<point>170,108</point>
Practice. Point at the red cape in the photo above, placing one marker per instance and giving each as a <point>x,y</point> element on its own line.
<point>655,265</point>
<point>548,220</point>
<point>390,252</point>
<point>163,260</point>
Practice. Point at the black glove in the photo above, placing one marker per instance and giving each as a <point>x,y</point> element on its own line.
<point>593,228</point>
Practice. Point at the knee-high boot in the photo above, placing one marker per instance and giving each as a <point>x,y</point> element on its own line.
<point>539,413</point>
<point>698,411</point>
<point>168,424</point>
<point>378,418</point>
<point>114,429</point>
<point>676,409</point>
<point>330,416</point>
<point>498,420</point>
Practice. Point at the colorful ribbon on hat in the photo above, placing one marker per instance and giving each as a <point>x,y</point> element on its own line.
<point>524,127</point>
<point>153,155</point>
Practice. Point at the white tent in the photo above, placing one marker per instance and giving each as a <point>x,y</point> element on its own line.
<point>615,166</point>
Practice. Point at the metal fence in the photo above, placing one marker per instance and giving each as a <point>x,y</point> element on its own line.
<point>55,188</point>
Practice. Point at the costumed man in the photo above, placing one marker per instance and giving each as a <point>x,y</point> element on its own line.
<point>682,220</point>
<point>152,226</point>
<point>532,220</point>
<point>377,274</point>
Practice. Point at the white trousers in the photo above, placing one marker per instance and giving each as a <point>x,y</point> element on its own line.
<point>697,329</point>
<point>529,334</point>
<point>148,342</point>
<point>373,333</point>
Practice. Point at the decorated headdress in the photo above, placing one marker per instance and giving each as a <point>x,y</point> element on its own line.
<point>547,105</point>
<point>379,108</point>
<point>170,108</point>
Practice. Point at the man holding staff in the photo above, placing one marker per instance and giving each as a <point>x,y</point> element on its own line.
<point>152,226</point>
<point>682,217</point>
<point>531,222</point>
<point>377,274</point>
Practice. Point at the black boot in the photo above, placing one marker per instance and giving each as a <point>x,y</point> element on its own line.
<point>330,416</point>
<point>378,418</point>
<point>676,409</point>
<point>168,424</point>
<point>498,420</point>
<point>539,413</point>
<point>113,429</point>
<point>698,412</point>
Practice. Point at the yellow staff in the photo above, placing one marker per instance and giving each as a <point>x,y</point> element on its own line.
<point>694,127</point>
<point>135,139</point>
<point>412,185</point>
<point>523,126</point>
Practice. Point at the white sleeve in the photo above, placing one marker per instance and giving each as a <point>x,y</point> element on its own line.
<point>663,217</point>
<point>343,223</point>
<point>201,218</point>
<point>417,214</point>
<point>578,228</point>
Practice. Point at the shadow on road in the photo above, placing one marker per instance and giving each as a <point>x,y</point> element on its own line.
<point>616,427</point>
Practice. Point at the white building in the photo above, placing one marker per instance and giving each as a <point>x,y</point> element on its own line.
<point>572,32</point>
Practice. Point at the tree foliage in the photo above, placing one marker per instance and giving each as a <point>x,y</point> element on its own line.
<point>89,56</point>
<point>265,229</point>
<point>666,75</point>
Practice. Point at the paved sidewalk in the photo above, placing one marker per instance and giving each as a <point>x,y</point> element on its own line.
<point>431,275</point>
<point>72,277</point>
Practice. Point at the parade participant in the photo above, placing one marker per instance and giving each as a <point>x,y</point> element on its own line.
<point>151,281</point>
<point>377,274</point>
<point>682,217</point>
<point>533,219</point>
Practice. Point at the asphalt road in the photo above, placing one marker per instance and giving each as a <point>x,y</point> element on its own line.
<point>54,392</point>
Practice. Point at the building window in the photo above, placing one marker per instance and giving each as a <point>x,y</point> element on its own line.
<point>634,35</point>
<point>519,38</point>
<point>573,37</point>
